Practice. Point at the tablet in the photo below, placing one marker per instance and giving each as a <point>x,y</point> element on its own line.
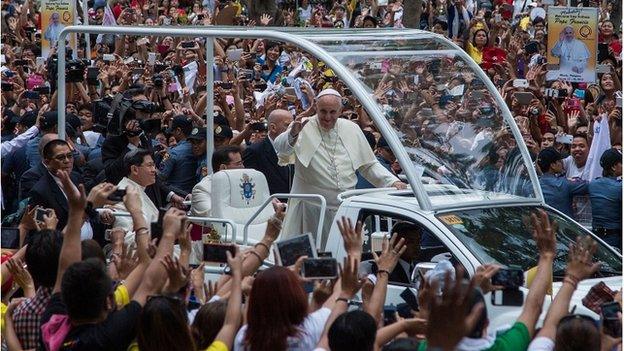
<point>288,251</point>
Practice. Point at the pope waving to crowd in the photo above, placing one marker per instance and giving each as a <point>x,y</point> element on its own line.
<point>326,151</point>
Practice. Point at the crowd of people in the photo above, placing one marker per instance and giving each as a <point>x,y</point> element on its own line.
<point>136,142</point>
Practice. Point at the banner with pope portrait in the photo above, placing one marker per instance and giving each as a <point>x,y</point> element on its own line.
<point>56,15</point>
<point>572,43</point>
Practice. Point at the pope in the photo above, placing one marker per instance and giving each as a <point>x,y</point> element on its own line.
<point>326,151</point>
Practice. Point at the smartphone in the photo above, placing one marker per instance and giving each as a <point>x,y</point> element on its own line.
<point>92,75</point>
<point>225,85</point>
<point>9,238</point>
<point>324,254</point>
<point>603,68</point>
<point>7,86</point>
<point>564,139</point>
<point>188,44</point>
<point>579,93</point>
<point>117,195</point>
<point>216,252</point>
<point>159,67</point>
<point>20,62</point>
<point>320,268</point>
<point>290,91</point>
<point>520,83</point>
<point>108,57</point>
<point>390,314</point>
<point>524,97</point>
<point>507,297</point>
<point>375,65</point>
<point>247,74</point>
<point>30,94</point>
<point>138,71</point>
<point>611,324</point>
<point>497,17</point>
<point>410,298</point>
<point>40,61</point>
<point>288,251</point>
<point>531,48</point>
<point>151,58</point>
<point>603,52</point>
<point>234,55</point>
<point>509,278</point>
<point>45,90</point>
<point>598,295</point>
<point>39,213</point>
<point>129,60</point>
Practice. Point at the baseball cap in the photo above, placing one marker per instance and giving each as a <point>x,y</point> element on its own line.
<point>183,122</point>
<point>547,157</point>
<point>49,120</point>
<point>610,158</point>
<point>73,121</point>
<point>197,134</point>
<point>223,132</point>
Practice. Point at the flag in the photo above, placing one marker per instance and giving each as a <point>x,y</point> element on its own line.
<point>600,143</point>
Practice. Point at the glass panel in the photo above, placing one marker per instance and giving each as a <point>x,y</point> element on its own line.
<point>492,233</point>
<point>446,118</point>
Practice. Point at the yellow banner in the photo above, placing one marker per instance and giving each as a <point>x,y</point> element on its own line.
<point>572,43</point>
<point>55,15</point>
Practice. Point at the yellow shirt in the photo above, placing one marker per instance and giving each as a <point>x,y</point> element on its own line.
<point>475,54</point>
<point>3,309</point>
<point>215,346</point>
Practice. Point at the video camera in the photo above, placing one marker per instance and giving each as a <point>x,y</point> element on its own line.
<point>74,69</point>
<point>114,112</point>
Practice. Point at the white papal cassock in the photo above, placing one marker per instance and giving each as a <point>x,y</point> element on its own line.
<point>325,163</point>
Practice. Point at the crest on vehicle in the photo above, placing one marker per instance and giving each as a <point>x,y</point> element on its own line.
<point>248,191</point>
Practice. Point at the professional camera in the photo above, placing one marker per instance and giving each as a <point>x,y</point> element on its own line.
<point>74,69</point>
<point>158,80</point>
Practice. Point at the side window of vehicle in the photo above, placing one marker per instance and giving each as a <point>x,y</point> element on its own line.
<point>422,245</point>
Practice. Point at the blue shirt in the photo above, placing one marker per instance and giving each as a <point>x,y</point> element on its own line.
<point>606,201</point>
<point>559,191</point>
<point>32,151</point>
<point>271,76</point>
<point>180,168</point>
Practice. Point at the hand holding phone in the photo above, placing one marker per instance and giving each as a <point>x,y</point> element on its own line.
<point>319,268</point>
<point>216,252</point>
<point>509,278</point>
<point>117,195</point>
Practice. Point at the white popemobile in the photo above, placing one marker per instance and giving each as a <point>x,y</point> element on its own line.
<point>471,179</point>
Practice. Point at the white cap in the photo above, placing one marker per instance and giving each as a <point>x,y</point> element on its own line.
<point>328,92</point>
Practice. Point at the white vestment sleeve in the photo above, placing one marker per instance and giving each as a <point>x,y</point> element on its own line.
<point>18,141</point>
<point>201,201</point>
<point>377,175</point>
<point>282,143</point>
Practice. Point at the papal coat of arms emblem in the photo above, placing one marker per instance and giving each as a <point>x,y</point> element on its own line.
<point>247,188</point>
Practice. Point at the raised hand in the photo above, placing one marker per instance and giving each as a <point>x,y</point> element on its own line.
<point>580,259</point>
<point>349,280</point>
<point>391,251</point>
<point>98,196</point>
<point>76,196</point>
<point>265,19</point>
<point>450,318</point>
<point>125,262</point>
<point>173,221</point>
<point>235,262</point>
<point>544,234</point>
<point>352,236</point>
<point>21,276</point>
<point>483,277</point>
<point>178,276</point>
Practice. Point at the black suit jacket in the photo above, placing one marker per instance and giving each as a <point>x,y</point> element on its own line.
<point>29,179</point>
<point>261,156</point>
<point>47,194</point>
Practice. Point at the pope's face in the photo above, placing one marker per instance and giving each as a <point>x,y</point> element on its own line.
<point>569,34</point>
<point>328,109</point>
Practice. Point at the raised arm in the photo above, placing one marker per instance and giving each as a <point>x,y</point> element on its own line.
<point>580,266</point>
<point>544,236</point>
<point>71,251</point>
<point>155,275</point>
<point>233,313</point>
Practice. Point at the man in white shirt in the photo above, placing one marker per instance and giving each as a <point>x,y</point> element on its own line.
<point>327,152</point>
<point>574,164</point>
<point>227,157</point>
<point>140,170</point>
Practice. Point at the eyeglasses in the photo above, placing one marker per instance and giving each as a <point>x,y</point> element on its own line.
<point>63,157</point>
<point>149,165</point>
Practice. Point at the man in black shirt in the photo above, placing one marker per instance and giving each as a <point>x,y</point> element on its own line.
<point>81,313</point>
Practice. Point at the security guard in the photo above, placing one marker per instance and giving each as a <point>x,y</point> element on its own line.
<point>179,166</point>
<point>605,194</point>
<point>558,191</point>
<point>198,146</point>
